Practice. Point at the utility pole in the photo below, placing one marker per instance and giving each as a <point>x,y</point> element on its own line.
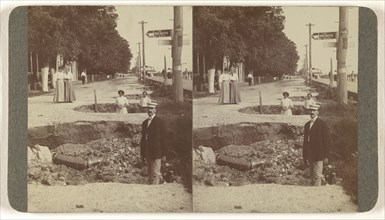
<point>140,59</point>
<point>306,64</point>
<point>342,46</point>
<point>331,72</point>
<point>310,66</point>
<point>144,58</point>
<point>177,43</point>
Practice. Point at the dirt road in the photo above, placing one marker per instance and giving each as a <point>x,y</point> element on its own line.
<point>109,197</point>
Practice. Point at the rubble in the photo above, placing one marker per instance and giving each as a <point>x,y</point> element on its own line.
<point>104,160</point>
<point>270,161</point>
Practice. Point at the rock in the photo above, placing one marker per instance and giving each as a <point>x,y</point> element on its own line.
<point>204,153</point>
<point>43,153</point>
<point>32,155</point>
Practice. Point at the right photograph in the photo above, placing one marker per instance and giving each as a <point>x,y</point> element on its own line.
<point>275,97</point>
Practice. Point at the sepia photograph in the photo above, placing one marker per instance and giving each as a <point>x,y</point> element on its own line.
<point>109,109</point>
<point>275,109</point>
<point>203,110</point>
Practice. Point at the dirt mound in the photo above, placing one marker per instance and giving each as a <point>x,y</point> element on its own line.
<point>243,134</point>
<point>273,109</point>
<point>109,108</point>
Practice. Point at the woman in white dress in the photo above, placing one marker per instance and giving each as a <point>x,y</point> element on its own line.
<point>286,104</point>
<point>69,93</point>
<point>235,96</point>
<point>59,88</point>
<point>121,103</point>
<point>224,97</point>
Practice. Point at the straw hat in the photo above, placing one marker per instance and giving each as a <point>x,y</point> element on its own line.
<point>313,107</point>
<point>152,105</point>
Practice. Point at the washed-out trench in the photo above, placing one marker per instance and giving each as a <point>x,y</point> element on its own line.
<point>113,147</point>
<point>275,149</point>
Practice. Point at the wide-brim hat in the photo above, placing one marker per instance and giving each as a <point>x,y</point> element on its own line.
<point>313,107</point>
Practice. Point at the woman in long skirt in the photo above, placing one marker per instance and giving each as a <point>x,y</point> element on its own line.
<point>59,88</point>
<point>224,97</point>
<point>235,96</point>
<point>69,93</point>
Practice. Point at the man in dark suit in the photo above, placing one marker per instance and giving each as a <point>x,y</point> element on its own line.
<point>316,145</point>
<point>153,144</point>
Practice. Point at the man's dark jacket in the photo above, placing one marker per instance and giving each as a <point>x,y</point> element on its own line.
<point>155,147</point>
<point>319,145</point>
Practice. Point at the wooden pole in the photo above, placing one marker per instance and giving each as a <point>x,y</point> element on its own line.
<point>310,64</point>
<point>177,44</point>
<point>96,102</point>
<point>199,73</point>
<point>342,46</point>
<point>260,103</point>
<point>30,58</point>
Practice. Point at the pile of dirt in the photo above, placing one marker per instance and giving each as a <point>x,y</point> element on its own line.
<point>273,109</point>
<point>119,162</point>
<point>109,108</point>
<point>280,163</point>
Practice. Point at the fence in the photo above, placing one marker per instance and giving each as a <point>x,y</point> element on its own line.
<point>265,79</point>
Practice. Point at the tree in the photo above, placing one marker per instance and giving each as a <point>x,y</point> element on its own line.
<point>86,34</point>
<point>252,35</point>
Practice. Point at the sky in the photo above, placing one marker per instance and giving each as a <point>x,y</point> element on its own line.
<point>325,19</point>
<point>157,18</point>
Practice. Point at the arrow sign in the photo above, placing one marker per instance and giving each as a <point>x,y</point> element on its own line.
<point>324,35</point>
<point>159,33</point>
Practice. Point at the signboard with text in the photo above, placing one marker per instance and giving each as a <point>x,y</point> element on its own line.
<point>324,35</point>
<point>159,33</point>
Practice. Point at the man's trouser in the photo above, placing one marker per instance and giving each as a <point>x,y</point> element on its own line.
<point>250,81</point>
<point>316,172</point>
<point>153,170</point>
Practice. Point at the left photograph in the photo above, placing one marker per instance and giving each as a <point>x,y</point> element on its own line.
<point>109,109</point>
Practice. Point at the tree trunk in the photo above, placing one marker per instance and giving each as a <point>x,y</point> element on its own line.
<point>211,76</point>
<point>44,77</point>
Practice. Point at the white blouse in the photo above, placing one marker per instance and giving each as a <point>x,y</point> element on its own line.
<point>309,102</point>
<point>59,75</point>
<point>121,101</point>
<point>234,77</point>
<point>68,75</point>
<point>225,77</point>
<point>144,101</point>
<point>286,102</point>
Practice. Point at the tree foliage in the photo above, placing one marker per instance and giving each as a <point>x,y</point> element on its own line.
<point>252,35</point>
<point>84,33</point>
